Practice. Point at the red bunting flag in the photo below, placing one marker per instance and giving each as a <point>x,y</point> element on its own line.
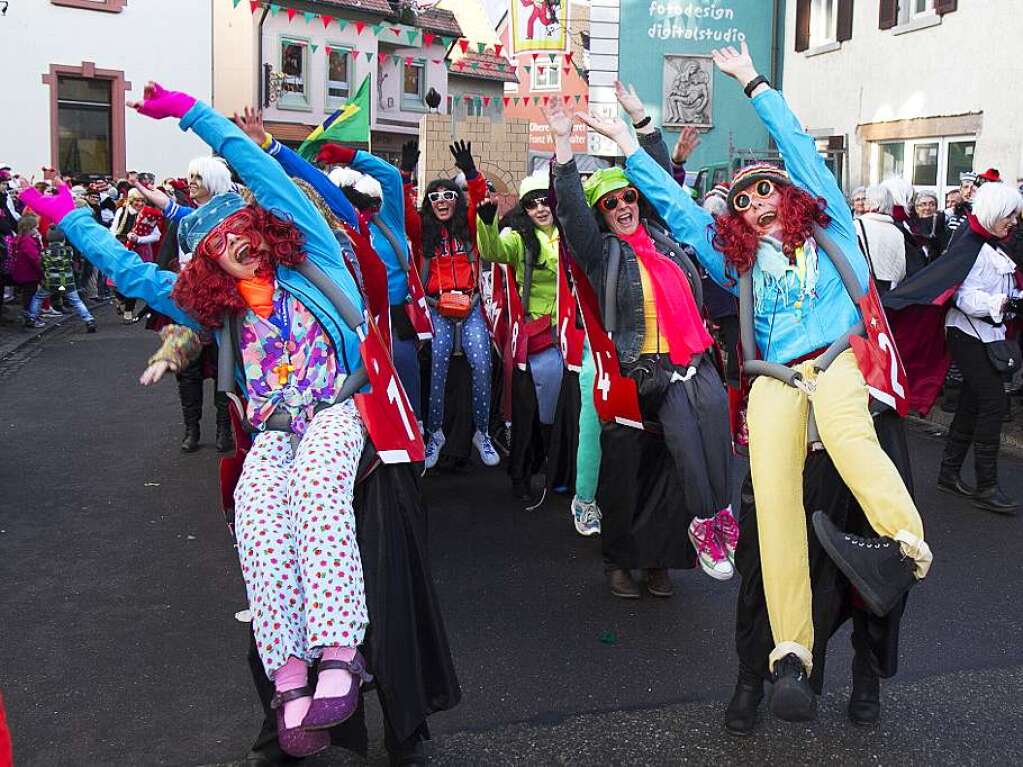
<point>253,5</point>
<point>408,60</point>
<point>486,100</point>
<point>546,100</point>
<point>506,100</point>
<point>464,45</point>
<point>536,56</point>
<point>359,25</point>
<point>291,13</point>
<point>328,49</point>
<point>566,99</point>
<point>568,57</point>
<point>497,49</point>
<point>428,38</point>
<point>396,31</point>
<point>326,20</point>
<point>567,69</point>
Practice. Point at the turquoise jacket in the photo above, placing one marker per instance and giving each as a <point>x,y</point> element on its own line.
<point>274,191</point>
<point>787,325</point>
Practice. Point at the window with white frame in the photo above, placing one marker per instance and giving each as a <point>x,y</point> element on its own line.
<point>295,71</point>
<point>912,9</point>
<point>413,85</point>
<point>823,22</point>
<point>339,77</point>
<point>546,77</point>
<point>931,164</point>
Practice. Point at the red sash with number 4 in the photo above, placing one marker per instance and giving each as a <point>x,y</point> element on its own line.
<point>877,356</point>
<point>385,409</point>
<point>570,335</point>
<point>416,309</point>
<point>614,396</point>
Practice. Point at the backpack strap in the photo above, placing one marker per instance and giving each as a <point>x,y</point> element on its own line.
<point>614,260</point>
<point>399,249</point>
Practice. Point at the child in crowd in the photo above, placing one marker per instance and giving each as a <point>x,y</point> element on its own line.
<point>58,280</point>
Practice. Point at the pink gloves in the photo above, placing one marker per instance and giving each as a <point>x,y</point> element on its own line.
<point>158,102</point>
<point>54,207</point>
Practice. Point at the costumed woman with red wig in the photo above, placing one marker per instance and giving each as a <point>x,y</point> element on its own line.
<point>775,241</point>
<point>272,276</point>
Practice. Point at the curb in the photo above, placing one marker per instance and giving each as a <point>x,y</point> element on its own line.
<point>1012,442</point>
<point>41,332</point>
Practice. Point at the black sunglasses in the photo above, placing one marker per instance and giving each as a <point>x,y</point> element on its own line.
<point>533,202</point>
<point>610,201</point>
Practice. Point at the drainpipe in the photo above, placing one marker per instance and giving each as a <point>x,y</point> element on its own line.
<point>261,81</point>
<point>776,51</point>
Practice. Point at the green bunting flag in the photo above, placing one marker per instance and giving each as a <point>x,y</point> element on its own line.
<point>235,3</point>
<point>342,23</point>
<point>411,36</point>
<point>480,47</point>
<point>314,47</point>
<point>474,65</point>
<point>308,16</point>
<point>274,9</point>
<point>346,125</point>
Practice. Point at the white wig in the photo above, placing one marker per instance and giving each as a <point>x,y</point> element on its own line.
<point>879,199</point>
<point>857,192</point>
<point>213,172</point>
<point>343,176</point>
<point>902,190</point>
<point>994,201</point>
<point>714,205</point>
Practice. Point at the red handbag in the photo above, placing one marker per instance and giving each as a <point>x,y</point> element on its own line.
<point>539,334</point>
<point>454,304</point>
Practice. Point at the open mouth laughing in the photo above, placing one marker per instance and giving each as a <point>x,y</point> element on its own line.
<point>767,219</point>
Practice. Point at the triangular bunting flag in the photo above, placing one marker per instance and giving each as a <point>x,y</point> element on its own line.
<point>274,9</point>
<point>576,97</point>
<point>505,99</point>
<point>308,16</point>
<point>329,50</point>
<point>553,57</point>
<point>291,13</point>
<point>536,56</point>
<point>568,57</point>
<point>253,5</point>
<point>314,47</point>
<point>369,55</point>
<point>528,69</point>
<point>428,38</point>
<point>486,101</point>
<point>235,3</point>
<point>359,26</point>
<point>480,47</point>
<point>567,69</point>
<point>515,100</point>
<point>478,101</point>
<point>467,99</point>
<point>435,61</point>
<point>497,49</point>
<point>408,60</point>
<point>566,99</point>
<point>411,36</point>
<point>342,23</point>
<point>326,20</point>
<point>546,100</point>
<point>474,66</point>
<point>396,31</point>
<point>446,41</point>
<point>464,45</point>
<point>378,29</point>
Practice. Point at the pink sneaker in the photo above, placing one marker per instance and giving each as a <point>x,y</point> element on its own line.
<point>713,559</point>
<point>728,532</point>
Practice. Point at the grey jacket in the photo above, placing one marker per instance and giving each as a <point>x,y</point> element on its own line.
<point>595,250</point>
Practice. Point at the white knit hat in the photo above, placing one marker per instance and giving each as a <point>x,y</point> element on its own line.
<point>343,176</point>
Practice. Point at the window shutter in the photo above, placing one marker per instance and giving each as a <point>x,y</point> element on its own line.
<point>889,14</point>
<point>802,25</point>
<point>845,21</point>
<point>945,6</point>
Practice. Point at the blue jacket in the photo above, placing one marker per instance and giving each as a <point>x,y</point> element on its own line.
<point>274,191</point>
<point>785,329</point>
<point>392,212</point>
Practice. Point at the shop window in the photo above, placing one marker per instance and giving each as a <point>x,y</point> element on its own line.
<point>546,78</point>
<point>925,165</point>
<point>959,160</point>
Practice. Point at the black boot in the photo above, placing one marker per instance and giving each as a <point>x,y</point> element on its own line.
<point>621,584</point>
<point>865,699</point>
<point>792,698</point>
<point>522,489</point>
<point>957,445</point>
<point>190,443</point>
<point>989,495</point>
<point>875,566</point>
<point>225,440</point>
<point>741,714</point>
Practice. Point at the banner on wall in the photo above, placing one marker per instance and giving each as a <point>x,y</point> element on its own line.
<point>539,25</point>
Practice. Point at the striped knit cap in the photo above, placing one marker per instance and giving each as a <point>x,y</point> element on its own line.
<point>719,190</point>
<point>751,174</point>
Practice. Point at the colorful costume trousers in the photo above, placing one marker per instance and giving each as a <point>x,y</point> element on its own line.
<point>476,345</point>
<point>777,418</point>
<point>295,527</point>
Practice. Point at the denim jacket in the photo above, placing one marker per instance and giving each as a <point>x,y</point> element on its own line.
<point>787,324</point>
<point>590,246</point>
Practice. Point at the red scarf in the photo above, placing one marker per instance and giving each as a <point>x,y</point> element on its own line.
<point>978,227</point>
<point>677,313</point>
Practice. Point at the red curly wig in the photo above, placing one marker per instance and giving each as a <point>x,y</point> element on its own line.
<point>798,211</point>
<point>205,291</point>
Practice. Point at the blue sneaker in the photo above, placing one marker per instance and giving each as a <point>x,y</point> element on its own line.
<point>486,449</point>
<point>433,448</point>
<point>587,516</point>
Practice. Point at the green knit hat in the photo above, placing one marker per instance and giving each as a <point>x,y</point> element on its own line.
<point>603,181</point>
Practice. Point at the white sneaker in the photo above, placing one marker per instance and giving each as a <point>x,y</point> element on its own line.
<point>712,556</point>
<point>586,516</point>
<point>433,448</point>
<point>50,313</point>
<point>485,448</point>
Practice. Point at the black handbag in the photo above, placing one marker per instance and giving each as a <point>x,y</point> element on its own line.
<point>652,381</point>
<point>1005,355</point>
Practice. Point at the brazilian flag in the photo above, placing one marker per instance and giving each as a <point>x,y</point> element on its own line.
<point>348,124</point>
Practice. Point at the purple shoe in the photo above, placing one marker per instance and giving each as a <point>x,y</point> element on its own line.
<point>295,741</point>
<point>330,712</point>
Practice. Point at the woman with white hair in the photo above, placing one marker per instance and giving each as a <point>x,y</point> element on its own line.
<point>975,328</point>
<point>928,225</point>
<point>857,201</point>
<point>881,240</point>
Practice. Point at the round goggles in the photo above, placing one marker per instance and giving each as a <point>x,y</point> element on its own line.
<point>448,195</point>
<point>532,203</point>
<point>761,189</point>
<point>610,200</point>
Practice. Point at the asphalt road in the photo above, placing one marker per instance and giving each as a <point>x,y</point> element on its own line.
<point>119,589</point>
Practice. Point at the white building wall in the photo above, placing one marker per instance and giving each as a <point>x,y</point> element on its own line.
<point>170,42</point>
<point>966,64</point>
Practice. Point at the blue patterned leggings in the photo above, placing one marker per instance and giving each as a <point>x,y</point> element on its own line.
<point>476,345</point>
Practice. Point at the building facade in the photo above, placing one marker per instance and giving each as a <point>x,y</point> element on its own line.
<point>921,89</point>
<point>73,64</point>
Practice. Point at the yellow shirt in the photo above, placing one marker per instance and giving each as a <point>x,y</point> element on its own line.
<point>653,340</point>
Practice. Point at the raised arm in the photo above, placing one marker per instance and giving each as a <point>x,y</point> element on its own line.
<point>650,137</point>
<point>296,167</point>
<point>497,247</point>
<point>392,210</point>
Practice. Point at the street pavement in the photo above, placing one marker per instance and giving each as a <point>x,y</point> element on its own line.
<point>120,587</point>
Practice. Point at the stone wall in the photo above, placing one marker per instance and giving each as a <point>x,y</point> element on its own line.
<point>501,149</point>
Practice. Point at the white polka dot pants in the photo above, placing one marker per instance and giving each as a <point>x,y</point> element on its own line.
<point>296,539</point>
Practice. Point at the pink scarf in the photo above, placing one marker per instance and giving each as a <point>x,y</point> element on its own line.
<point>677,313</point>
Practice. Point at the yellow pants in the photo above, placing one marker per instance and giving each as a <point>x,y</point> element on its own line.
<point>777,419</point>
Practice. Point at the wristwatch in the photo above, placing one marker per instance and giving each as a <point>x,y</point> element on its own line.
<point>753,84</point>
<point>642,123</point>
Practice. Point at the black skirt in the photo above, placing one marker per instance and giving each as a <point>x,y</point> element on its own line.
<point>834,601</point>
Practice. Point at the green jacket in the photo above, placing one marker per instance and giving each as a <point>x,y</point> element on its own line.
<point>506,247</point>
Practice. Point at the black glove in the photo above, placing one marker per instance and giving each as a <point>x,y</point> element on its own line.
<point>486,211</point>
<point>1013,306</point>
<point>409,156</point>
<point>462,152</point>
